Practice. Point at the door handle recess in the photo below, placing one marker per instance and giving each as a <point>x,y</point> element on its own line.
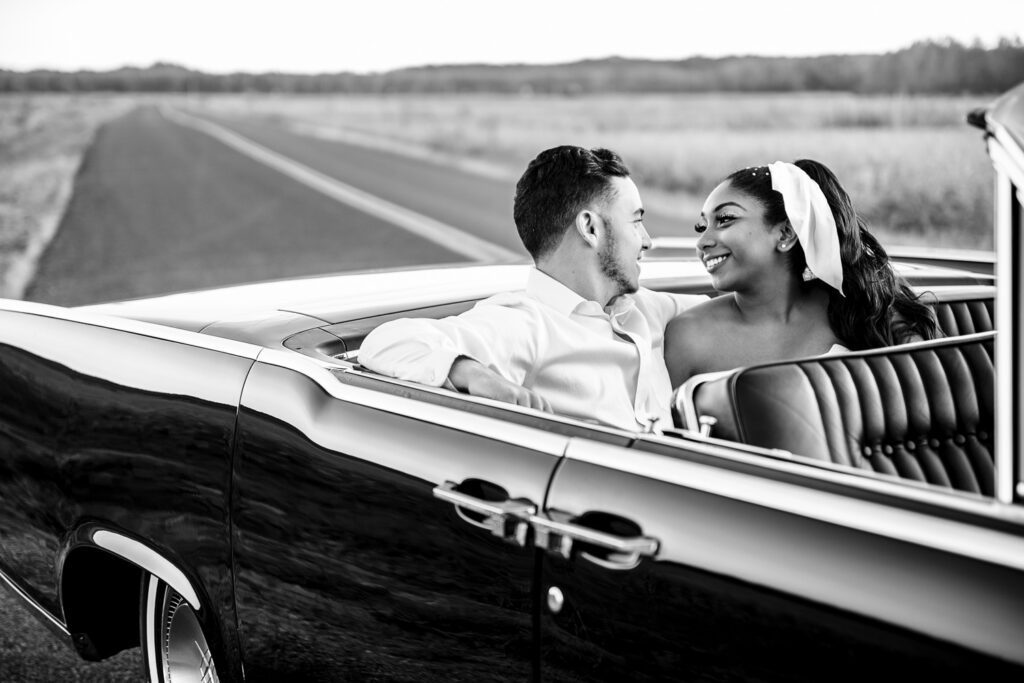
<point>508,519</point>
<point>556,533</point>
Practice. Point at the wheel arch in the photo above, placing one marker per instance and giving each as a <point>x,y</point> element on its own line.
<point>100,581</point>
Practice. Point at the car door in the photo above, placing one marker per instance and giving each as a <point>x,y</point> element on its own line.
<point>712,564</point>
<point>383,537</point>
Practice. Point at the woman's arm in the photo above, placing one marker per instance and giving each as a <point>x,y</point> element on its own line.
<point>681,348</point>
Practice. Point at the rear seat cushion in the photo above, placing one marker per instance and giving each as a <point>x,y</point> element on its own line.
<point>921,411</point>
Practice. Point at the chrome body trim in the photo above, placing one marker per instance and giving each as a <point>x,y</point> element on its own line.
<point>145,329</point>
<point>922,529</point>
<point>491,427</point>
<point>829,473</point>
<point>684,398</point>
<point>150,633</point>
<point>150,560</point>
<point>785,462</point>
<point>27,599</point>
<point>1006,154</point>
<point>1004,356</point>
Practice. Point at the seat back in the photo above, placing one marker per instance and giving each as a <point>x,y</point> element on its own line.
<point>920,411</point>
<point>963,309</point>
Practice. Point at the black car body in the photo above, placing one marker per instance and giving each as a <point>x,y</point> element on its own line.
<point>222,456</point>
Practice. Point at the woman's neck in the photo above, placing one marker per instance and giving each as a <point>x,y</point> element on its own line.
<point>779,302</point>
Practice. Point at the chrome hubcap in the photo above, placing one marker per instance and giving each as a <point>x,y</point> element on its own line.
<point>185,653</point>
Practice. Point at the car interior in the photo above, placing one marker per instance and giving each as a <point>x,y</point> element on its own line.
<point>921,412</point>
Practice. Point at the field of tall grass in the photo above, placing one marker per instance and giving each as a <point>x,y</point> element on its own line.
<point>913,167</point>
<point>915,170</point>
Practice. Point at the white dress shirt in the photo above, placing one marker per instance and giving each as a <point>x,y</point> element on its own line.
<point>596,364</point>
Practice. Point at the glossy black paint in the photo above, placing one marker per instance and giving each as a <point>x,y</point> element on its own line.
<point>687,615</point>
<point>81,452</point>
<point>346,565</point>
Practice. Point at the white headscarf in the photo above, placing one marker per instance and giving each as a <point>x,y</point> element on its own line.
<point>812,220</point>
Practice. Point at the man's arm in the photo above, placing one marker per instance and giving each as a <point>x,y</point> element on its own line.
<point>487,351</point>
<point>473,377</point>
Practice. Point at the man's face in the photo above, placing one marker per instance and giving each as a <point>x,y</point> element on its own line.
<point>626,239</point>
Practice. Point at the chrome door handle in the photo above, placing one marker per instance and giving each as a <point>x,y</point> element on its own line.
<point>507,519</point>
<point>556,533</point>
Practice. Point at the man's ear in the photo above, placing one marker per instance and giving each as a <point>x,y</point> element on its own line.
<point>787,237</point>
<point>589,226</point>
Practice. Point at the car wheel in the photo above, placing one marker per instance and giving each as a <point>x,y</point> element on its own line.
<point>174,647</point>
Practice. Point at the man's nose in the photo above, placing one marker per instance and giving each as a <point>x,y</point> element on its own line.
<point>645,239</point>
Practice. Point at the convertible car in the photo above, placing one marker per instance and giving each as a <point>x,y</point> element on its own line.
<point>212,477</point>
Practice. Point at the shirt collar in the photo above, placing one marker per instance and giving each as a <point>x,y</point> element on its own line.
<point>551,292</point>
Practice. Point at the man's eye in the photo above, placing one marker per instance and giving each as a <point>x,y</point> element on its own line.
<point>700,227</point>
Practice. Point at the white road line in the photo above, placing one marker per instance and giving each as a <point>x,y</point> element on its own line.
<point>447,236</point>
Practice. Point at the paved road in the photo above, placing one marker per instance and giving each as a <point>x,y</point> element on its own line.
<point>162,207</point>
<point>159,207</point>
<point>29,652</point>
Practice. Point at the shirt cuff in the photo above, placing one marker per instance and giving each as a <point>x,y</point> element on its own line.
<point>436,367</point>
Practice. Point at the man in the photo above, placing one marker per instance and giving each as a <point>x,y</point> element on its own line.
<point>583,339</point>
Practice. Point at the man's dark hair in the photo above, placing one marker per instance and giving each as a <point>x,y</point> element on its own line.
<point>556,186</point>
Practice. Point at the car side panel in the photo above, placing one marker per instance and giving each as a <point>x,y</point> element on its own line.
<point>743,589</point>
<point>106,429</point>
<point>347,566</point>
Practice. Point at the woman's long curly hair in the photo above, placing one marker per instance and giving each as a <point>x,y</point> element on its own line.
<point>880,308</point>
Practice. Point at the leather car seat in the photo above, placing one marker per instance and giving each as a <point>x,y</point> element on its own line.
<point>919,411</point>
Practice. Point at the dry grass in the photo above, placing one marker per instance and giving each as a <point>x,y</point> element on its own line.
<point>915,170</point>
<point>42,140</point>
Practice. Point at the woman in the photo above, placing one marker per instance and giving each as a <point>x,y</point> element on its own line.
<point>804,276</point>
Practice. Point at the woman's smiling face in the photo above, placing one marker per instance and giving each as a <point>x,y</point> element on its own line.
<point>736,244</point>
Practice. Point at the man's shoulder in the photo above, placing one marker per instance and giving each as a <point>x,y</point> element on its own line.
<point>513,306</point>
<point>515,300</point>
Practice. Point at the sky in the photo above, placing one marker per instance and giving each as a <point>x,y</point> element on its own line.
<point>325,36</point>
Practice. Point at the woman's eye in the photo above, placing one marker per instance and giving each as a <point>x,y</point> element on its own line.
<point>726,218</point>
<point>699,228</point>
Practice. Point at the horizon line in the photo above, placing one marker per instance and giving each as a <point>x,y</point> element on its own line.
<point>1014,41</point>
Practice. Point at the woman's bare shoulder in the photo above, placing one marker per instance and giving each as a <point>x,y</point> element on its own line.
<point>692,339</point>
<point>719,310</point>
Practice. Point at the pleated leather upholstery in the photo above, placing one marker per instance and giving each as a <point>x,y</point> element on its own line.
<point>922,411</point>
<point>965,316</point>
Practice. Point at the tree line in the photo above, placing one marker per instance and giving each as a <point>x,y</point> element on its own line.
<point>926,67</point>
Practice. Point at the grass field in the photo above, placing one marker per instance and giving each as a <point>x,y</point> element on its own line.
<point>915,170</point>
